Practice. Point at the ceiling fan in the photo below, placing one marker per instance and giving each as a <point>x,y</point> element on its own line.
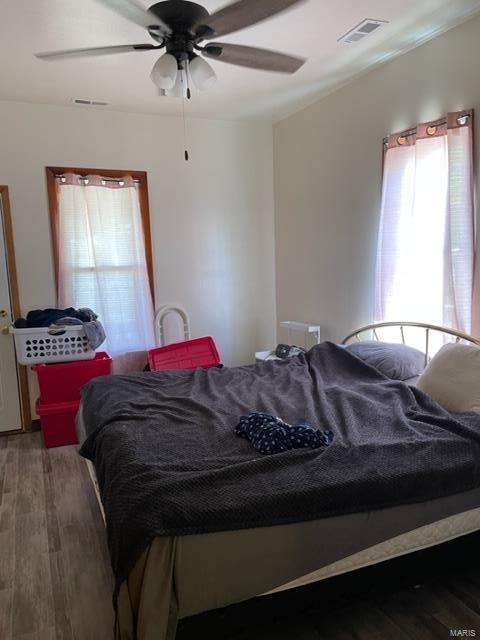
<point>181,28</point>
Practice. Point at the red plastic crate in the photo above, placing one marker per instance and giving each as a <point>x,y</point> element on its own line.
<point>62,382</point>
<point>58,423</point>
<point>201,352</point>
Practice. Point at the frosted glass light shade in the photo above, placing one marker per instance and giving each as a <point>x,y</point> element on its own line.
<point>164,73</point>
<point>202,73</point>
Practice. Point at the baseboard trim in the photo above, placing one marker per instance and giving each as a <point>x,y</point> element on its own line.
<point>35,425</point>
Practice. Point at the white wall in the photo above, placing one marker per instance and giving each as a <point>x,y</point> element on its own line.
<point>328,168</point>
<point>212,219</point>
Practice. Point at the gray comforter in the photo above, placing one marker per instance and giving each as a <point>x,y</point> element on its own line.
<point>168,462</point>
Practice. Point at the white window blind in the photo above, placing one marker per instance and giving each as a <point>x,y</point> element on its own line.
<point>101,259</point>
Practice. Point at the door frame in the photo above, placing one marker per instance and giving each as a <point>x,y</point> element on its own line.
<point>15,305</point>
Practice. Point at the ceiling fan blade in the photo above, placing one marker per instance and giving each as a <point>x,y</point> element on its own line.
<point>130,10</point>
<point>253,58</point>
<point>95,51</point>
<point>241,14</point>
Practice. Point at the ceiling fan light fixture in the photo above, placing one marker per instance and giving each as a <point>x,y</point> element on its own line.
<point>202,74</point>
<point>165,72</point>
<point>178,26</point>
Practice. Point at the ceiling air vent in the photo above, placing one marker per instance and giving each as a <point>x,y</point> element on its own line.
<point>362,30</point>
<point>90,102</point>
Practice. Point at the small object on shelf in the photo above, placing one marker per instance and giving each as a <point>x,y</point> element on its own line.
<point>262,356</point>
<point>284,351</point>
<point>58,423</point>
<point>201,352</point>
<point>281,352</point>
<point>302,327</point>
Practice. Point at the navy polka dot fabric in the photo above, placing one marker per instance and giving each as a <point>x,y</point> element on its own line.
<point>269,434</point>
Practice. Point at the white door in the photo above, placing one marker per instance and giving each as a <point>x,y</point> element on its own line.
<point>10,412</point>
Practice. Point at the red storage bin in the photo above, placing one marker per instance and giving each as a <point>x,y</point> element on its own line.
<point>58,423</point>
<point>62,382</point>
<point>201,352</point>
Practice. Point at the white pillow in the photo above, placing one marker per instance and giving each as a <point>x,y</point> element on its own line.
<point>453,377</point>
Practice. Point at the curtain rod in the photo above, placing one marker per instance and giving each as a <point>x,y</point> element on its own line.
<point>61,175</point>
<point>433,123</point>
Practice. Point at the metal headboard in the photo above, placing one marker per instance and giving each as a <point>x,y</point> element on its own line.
<point>428,328</point>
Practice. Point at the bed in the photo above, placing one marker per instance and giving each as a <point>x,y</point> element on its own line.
<point>177,576</point>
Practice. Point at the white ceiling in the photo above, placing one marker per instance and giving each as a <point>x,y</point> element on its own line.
<point>310,30</point>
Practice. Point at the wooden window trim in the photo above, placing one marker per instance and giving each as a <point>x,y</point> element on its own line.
<point>15,303</point>
<point>140,176</point>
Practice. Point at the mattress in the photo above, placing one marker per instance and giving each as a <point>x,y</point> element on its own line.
<point>209,571</point>
<point>429,535</point>
<point>420,538</point>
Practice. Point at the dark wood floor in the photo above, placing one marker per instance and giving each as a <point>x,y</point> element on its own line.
<point>420,597</point>
<point>55,579</point>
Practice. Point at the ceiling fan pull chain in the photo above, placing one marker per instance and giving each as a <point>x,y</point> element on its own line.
<point>187,80</point>
<point>187,155</point>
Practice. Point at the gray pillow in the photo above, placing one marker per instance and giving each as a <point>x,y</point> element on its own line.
<point>396,361</point>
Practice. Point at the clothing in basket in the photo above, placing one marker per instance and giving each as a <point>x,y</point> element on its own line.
<point>94,330</point>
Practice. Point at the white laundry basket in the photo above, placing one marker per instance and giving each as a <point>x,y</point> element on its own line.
<point>51,344</point>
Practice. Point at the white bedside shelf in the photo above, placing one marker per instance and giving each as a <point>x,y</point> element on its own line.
<point>302,327</point>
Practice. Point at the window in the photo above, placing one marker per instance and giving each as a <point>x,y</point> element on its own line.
<point>425,258</point>
<point>102,251</point>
